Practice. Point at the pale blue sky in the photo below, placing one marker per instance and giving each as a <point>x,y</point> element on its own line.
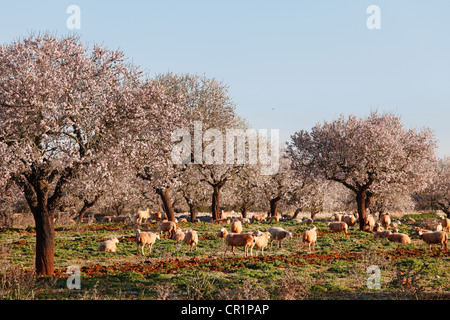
<point>289,64</point>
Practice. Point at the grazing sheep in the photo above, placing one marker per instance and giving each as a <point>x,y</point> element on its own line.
<point>399,237</point>
<point>222,233</point>
<point>310,237</point>
<point>307,221</point>
<point>338,227</point>
<point>103,219</point>
<point>380,233</point>
<point>349,219</point>
<point>168,226</point>
<point>179,235</point>
<point>279,234</point>
<point>191,239</point>
<point>156,216</point>
<point>121,219</point>
<point>385,220</point>
<point>244,220</point>
<point>142,215</point>
<point>261,241</point>
<point>145,238</point>
<point>108,245</point>
<point>438,237</point>
<point>236,226</point>
<point>369,223</point>
<point>394,224</point>
<point>239,240</point>
<point>445,222</point>
<point>258,217</point>
<point>222,221</point>
<point>275,218</point>
<point>224,215</point>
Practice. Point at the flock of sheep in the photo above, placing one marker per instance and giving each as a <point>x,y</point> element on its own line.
<point>259,240</point>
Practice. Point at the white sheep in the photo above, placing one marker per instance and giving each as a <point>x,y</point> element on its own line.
<point>236,226</point>
<point>142,215</point>
<point>179,235</point>
<point>145,238</point>
<point>279,234</point>
<point>438,237</point>
<point>349,219</point>
<point>168,226</point>
<point>222,233</point>
<point>191,238</point>
<point>399,237</point>
<point>369,223</point>
<point>261,241</point>
<point>310,237</point>
<point>445,222</point>
<point>385,220</point>
<point>338,227</point>
<point>239,240</point>
<point>108,245</point>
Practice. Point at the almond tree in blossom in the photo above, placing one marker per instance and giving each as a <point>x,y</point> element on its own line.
<point>367,156</point>
<point>63,108</point>
<point>437,193</point>
<point>206,105</point>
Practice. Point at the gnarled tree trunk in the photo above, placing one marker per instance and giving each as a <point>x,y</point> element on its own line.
<point>167,204</point>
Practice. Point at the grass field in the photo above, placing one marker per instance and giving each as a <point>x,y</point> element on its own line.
<point>337,269</point>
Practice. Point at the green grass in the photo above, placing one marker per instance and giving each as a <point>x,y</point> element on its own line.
<point>335,270</point>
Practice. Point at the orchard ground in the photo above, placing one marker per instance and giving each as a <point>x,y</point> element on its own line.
<point>337,269</point>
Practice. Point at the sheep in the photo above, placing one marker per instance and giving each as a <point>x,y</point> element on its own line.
<point>399,237</point>
<point>191,239</point>
<point>279,234</point>
<point>438,237</point>
<point>121,219</point>
<point>338,227</point>
<point>380,233</point>
<point>103,219</point>
<point>369,222</point>
<point>307,221</point>
<point>261,241</point>
<point>394,224</point>
<point>385,220</point>
<point>439,227</point>
<point>155,216</point>
<point>222,221</point>
<point>275,218</point>
<point>445,222</point>
<point>142,215</point>
<point>258,217</point>
<point>349,219</point>
<point>179,235</point>
<point>224,215</point>
<point>145,238</point>
<point>236,226</point>
<point>239,240</point>
<point>244,220</point>
<point>310,237</point>
<point>337,217</point>
<point>168,226</point>
<point>108,245</point>
<point>222,233</point>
